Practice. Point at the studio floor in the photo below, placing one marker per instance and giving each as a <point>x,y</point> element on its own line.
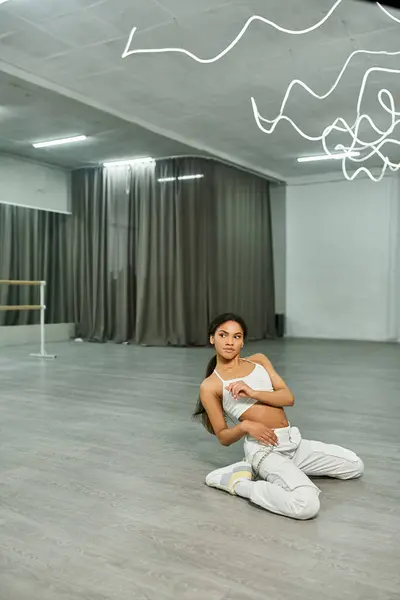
<point>102,470</point>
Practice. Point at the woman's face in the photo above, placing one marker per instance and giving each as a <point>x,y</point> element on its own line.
<point>228,340</point>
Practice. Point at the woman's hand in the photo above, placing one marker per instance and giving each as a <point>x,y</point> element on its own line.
<point>262,434</point>
<point>240,389</point>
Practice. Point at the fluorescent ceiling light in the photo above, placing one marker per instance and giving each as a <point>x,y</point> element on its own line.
<point>328,157</point>
<point>190,176</point>
<point>131,161</point>
<point>182,177</point>
<point>71,140</point>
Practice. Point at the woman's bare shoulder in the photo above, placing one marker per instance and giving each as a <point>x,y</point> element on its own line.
<point>259,358</point>
<point>211,383</point>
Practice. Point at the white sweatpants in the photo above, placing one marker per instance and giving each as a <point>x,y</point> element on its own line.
<point>285,487</point>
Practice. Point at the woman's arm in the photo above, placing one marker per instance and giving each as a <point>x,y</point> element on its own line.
<point>211,401</point>
<point>212,404</point>
<point>282,395</point>
<point>278,398</point>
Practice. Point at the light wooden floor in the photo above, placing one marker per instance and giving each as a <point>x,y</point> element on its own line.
<point>101,481</point>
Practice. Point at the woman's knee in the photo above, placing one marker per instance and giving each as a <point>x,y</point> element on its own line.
<point>306,503</point>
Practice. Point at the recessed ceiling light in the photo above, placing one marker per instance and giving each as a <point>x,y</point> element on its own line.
<point>131,161</point>
<point>328,157</point>
<point>71,140</point>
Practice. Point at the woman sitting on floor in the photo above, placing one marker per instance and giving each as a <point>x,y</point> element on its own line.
<point>252,393</point>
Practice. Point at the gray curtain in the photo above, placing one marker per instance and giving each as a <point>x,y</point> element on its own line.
<point>152,262</point>
<point>33,246</point>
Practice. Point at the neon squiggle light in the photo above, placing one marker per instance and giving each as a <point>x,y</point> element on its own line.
<point>312,93</point>
<point>128,52</point>
<point>339,124</point>
<point>388,13</point>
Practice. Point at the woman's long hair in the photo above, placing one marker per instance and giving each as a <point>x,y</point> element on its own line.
<point>200,412</point>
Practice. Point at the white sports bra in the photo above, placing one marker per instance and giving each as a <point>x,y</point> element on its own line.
<point>258,380</point>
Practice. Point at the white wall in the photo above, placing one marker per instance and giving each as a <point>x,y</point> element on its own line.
<point>34,185</point>
<point>342,271</point>
<point>278,224</point>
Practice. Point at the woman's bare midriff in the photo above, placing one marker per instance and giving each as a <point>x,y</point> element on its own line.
<point>270,416</point>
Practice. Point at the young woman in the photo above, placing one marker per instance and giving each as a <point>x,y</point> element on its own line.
<point>254,396</point>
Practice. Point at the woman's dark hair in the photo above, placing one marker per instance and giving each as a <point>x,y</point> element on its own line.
<point>200,412</point>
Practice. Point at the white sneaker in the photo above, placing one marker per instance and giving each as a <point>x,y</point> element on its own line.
<point>227,477</point>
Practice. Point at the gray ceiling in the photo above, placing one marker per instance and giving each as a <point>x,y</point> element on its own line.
<point>29,114</point>
<point>168,104</point>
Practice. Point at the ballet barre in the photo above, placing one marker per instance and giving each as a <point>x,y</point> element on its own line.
<point>41,307</point>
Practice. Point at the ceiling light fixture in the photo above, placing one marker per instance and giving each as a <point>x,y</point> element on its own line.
<point>132,161</point>
<point>328,157</point>
<point>71,140</point>
<point>182,177</point>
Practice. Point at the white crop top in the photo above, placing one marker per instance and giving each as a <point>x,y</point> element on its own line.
<point>258,380</point>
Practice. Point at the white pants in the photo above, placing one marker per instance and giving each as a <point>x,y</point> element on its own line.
<point>285,487</point>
